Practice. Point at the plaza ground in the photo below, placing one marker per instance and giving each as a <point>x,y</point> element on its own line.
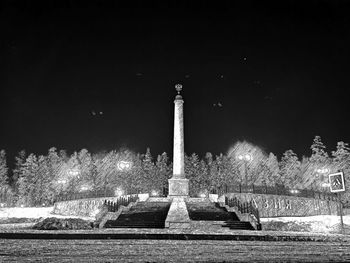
<point>171,251</point>
<point>333,248</point>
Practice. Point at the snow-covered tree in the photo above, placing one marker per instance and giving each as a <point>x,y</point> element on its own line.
<point>16,172</point>
<point>27,181</point>
<point>6,193</point>
<point>318,160</point>
<point>319,154</point>
<point>163,172</point>
<point>192,173</point>
<point>289,169</point>
<point>149,175</point>
<point>43,192</point>
<point>3,170</point>
<point>341,162</point>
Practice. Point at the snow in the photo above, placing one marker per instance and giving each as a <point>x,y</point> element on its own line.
<point>32,212</point>
<point>321,223</point>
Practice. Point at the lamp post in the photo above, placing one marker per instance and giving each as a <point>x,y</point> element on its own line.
<point>61,182</point>
<point>124,165</point>
<point>245,158</point>
<point>322,172</point>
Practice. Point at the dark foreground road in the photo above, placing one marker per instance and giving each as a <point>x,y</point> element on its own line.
<point>170,251</point>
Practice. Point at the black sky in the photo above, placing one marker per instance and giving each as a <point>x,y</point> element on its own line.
<point>279,69</point>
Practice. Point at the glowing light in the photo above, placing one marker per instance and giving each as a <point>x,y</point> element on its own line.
<point>62,181</point>
<point>322,170</point>
<point>118,192</point>
<point>2,204</point>
<point>73,172</point>
<point>202,195</point>
<point>84,188</point>
<point>124,165</point>
<point>326,185</point>
<point>245,157</point>
<point>22,205</point>
<point>154,193</point>
<point>294,191</point>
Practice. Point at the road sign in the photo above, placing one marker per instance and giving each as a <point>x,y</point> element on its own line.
<point>336,181</point>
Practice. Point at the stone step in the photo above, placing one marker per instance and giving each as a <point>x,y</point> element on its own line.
<point>142,215</point>
<point>136,226</point>
<point>208,211</point>
<point>238,225</point>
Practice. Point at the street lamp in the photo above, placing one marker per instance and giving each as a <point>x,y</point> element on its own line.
<point>154,193</point>
<point>245,158</point>
<point>124,165</point>
<point>322,172</point>
<point>118,192</point>
<point>73,172</point>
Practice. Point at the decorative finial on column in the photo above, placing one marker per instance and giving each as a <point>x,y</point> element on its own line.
<point>178,88</point>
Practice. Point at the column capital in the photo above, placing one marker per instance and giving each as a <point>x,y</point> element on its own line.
<point>178,88</point>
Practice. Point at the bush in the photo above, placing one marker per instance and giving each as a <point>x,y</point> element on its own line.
<point>53,223</point>
<point>286,226</point>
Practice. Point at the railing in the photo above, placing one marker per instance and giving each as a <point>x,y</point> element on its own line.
<point>244,208</point>
<point>114,206</point>
<point>276,190</point>
<point>84,195</point>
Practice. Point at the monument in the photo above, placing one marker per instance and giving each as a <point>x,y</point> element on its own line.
<point>178,185</point>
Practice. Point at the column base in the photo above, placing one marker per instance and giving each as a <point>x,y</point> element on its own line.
<point>178,187</point>
<point>178,215</point>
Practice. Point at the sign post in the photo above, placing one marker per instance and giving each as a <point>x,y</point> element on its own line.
<point>337,186</point>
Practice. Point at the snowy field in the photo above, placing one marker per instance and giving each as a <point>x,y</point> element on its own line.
<point>32,212</point>
<point>320,224</point>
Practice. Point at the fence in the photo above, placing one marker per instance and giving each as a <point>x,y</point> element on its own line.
<point>84,195</point>
<point>114,206</point>
<point>276,190</point>
<point>246,207</point>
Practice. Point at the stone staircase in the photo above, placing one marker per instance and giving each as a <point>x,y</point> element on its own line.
<point>238,225</point>
<point>142,215</point>
<point>208,211</point>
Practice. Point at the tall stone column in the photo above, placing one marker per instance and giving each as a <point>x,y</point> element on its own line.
<point>178,184</point>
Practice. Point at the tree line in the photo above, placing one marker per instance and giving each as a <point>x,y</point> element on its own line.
<point>40,180</point>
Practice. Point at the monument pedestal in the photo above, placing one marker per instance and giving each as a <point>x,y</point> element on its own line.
<point>178,215</point>
<point>178,187</point>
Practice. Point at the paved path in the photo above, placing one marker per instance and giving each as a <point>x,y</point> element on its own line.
<point>170,251</point>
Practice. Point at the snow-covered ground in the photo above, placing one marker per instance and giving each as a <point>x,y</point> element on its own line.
<point>325,223</point>
<point>322,223</point>
<point>32,212</point>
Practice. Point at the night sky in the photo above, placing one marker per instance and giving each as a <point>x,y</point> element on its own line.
<point>101,76</point>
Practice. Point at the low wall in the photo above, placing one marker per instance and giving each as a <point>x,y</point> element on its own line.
<point>280,205</point>
<point>86,207</point>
